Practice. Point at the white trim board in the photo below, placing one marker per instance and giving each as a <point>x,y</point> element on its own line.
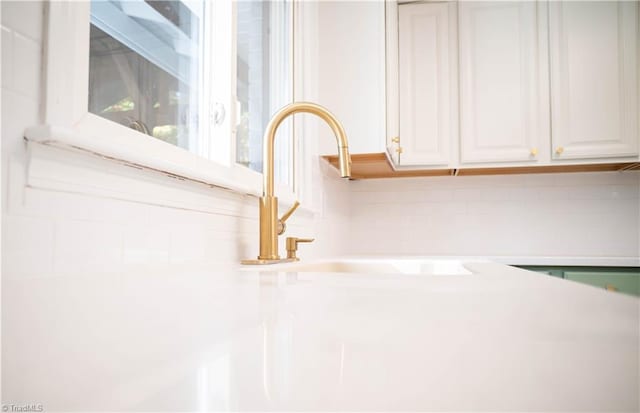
<point>63,168</point>
<point>189,167</point>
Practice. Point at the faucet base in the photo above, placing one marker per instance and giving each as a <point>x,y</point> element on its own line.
<point>267,262</point>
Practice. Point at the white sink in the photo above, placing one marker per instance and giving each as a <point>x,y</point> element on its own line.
<point>380,266</point>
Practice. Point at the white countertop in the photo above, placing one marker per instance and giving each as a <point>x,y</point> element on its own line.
<point>500,339</point>
<point>568,261</point>
<point>551,261</point>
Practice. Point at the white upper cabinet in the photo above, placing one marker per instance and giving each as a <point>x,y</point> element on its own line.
<point>427,79</point>
<point>504,101</point>
<point>512,83</point>
<point>594,79</point>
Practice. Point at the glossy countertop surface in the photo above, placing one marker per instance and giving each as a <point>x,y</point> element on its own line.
<point>500,339</point>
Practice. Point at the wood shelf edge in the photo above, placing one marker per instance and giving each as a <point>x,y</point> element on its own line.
<point>376,166</point>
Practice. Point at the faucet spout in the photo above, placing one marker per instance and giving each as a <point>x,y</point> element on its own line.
<point>270,226</point>
<point>282,114</point>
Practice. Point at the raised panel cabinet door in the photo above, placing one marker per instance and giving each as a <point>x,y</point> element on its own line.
<point>594,79</point>
<point>503,89</point>
<point>392,94</point>
<point>427,71</point>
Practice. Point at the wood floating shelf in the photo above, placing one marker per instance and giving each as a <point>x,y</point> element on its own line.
<point>376,165</point>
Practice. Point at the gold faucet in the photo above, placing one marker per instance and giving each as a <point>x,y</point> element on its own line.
<point>270,226</point>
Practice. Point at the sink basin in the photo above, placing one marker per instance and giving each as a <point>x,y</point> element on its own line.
<point>380,266</point>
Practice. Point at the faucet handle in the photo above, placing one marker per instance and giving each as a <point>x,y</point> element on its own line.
<point>292,246</point>
<point>281,222</point>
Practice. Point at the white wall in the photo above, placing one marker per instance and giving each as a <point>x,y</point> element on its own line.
<point>351,76</point>
<point>48,232</point>
<point>576,214</point>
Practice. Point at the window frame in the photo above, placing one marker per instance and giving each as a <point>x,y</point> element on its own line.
<point>287,193</point>
<point>67,122</point>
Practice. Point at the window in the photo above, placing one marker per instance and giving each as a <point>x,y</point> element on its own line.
<point>144,67</point>
<point>184,87</point>
<point>264,81</point>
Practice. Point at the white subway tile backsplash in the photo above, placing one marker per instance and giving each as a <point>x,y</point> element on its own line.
<point>195,244</point>
<point>521,224</point>
<point>69,206</point>
<point>87,247</point>
<point>613,192</point>
<point>627,191</point>
<point>522,194</point>
<point>432,208</point>
<point>111,235</point>
<point>27,246</point>
<point>437,195</point>
<point>551,193</point>
<point>18,113</point>
<point>490,193</point>
<point>581,214</point>
<point>591,192</point>
<point>186,244</point>
<point>623,209</point>
<point>569,179</point>
<point>145,246</point>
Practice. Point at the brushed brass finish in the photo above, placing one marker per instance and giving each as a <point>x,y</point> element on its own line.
<point>399,150</point>
<point>282,227</point>
<point>396,139</point>
<point>290,211</point>
<point>559,150</point>
<point>282,114</point>
<point>534,152</point>
<point>292,246</point>
<point>610,287</point>
<point>270,226</point>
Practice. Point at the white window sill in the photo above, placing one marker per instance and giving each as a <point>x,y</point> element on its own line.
<point>147,154</point>
<point>80,163</point>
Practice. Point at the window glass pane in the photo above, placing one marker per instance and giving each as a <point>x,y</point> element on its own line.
<point>145,59</point>
<point>264,81</point>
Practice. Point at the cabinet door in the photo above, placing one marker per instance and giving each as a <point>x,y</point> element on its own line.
<point>594,78</point>
<point>628,283</point>
<point>427,78</point>
<point>503,84</point>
